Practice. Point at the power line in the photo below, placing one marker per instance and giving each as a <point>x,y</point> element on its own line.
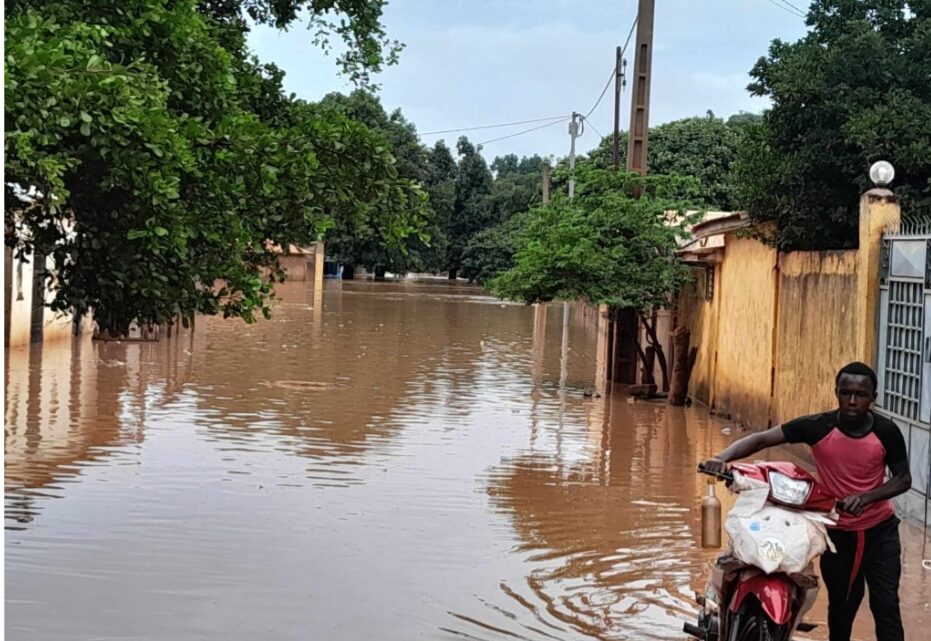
<point>547,121</point>
<point>788,8</point>
<point>629,34</point>
<point>603,91</point>
<point>591,124</point>
<point>525,131</point>
<point>503,124</point>
<point>613,71</point>
<point>794,6</point>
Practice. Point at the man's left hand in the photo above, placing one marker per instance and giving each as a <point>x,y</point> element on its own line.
<point>853,504</point>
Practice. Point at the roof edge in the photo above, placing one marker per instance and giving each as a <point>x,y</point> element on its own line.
<point>733,222</point>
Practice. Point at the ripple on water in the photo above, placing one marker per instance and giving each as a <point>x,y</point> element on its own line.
<point>394,461</point>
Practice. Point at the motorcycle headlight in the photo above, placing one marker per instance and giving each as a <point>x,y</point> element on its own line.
<point>788,490</point>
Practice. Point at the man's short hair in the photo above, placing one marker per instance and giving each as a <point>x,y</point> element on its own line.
<point>858,369</point>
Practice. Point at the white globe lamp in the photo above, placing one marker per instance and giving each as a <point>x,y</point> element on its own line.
<point>882,173</point>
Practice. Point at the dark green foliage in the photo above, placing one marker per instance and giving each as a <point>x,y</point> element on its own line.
<point>856,89</point>
<point>606,246</point>
<point>166,161</point>
<point>703,147</point>
<point>491,251</point>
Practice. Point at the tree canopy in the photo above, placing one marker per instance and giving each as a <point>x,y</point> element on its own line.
<point>853,91</point>
<point>164,161</point>
<point>607,245</point>
<point>704,147</point>
<point>361,242</point>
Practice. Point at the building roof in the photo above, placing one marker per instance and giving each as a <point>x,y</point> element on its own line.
<point>708,236</point>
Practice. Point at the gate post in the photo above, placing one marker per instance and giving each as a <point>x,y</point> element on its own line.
<point>879,212</point>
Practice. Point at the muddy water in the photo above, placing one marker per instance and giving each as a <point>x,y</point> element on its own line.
<point>391,461</point>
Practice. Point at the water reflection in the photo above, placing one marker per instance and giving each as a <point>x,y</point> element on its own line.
<point>396,460</point>
<point>609,538</point>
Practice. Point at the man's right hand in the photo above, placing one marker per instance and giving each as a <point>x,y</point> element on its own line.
<point>715,466</point>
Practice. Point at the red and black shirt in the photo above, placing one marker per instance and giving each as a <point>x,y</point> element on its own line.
<point>851,464</point>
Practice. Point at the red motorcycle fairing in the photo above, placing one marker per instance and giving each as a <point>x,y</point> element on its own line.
<point>773,591</point>
<point>817,501</point>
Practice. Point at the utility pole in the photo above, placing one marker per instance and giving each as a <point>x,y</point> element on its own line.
<point>619,82</point>
<point>546,182</point>
<point>574,133</point>
<point>640,96</point>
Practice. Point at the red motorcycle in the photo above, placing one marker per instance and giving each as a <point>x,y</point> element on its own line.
<point>764,585</point>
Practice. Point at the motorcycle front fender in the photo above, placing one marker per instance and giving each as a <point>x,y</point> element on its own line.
<point>773,591</point>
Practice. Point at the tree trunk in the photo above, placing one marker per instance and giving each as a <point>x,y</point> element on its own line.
<point>680,366</point>
<point>651,364</point>
<point>380,273</point>
<point>693,357</point>
<point>453,274</point>
<point>650,326</point>
<point>647,361</point>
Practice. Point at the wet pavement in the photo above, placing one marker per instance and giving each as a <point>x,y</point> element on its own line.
<point>391,461</point>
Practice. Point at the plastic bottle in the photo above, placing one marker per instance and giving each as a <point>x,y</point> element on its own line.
<point>711,519</point>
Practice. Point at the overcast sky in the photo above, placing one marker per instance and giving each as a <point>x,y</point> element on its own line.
<point>479,62</point>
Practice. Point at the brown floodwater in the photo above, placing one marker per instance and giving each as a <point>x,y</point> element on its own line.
<point>390,461</point>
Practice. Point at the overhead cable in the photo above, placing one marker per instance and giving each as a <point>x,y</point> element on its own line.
<point>613,70</point>
<point>525,131</point>
<point>787,8</point>
<point>503,124</point>
<point>591,124</point>
<point>794,6</point>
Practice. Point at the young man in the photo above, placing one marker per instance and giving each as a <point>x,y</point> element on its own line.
<point>852,447</point>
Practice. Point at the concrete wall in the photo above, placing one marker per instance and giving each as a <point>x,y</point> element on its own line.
<point>699,313</point>
<point>55,326</point>
<point>815,331</point>
<point>295,265</point>
<point>18,297</point>
<point>779,326</point>
<point>743,372</point>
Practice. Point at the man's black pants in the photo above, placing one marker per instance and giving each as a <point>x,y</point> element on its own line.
<point>880,570</point>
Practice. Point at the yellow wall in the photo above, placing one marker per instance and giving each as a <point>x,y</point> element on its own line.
<point>776,331</point>
<point>56,326</point>
<point>700,315</point>
<point>745,330</point>
<point>20,310</point>
<point>816,329</point>
<point>295,265</point>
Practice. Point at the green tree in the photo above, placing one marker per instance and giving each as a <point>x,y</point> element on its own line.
<point>472,211</point>
<point>704,147</point>
<point>516,189</point>
<point>359,242</point>
<point>517,185</point>
<point>165,162</point>
<point>606,246</point>
<point>440,184</point>
<point>491,251</point>
<point>357,23</point>
<point>854,90</point>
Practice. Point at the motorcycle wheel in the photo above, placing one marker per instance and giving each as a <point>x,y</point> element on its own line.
<point>750,623</point>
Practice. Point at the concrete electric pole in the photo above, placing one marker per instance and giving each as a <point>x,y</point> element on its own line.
<point>640,96</point>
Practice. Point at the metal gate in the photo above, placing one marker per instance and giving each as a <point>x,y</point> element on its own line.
<point>904,350</point>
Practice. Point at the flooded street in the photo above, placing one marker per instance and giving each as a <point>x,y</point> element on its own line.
<point>392,461</point>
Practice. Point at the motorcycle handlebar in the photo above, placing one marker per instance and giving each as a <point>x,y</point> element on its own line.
<point>726,476</point>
